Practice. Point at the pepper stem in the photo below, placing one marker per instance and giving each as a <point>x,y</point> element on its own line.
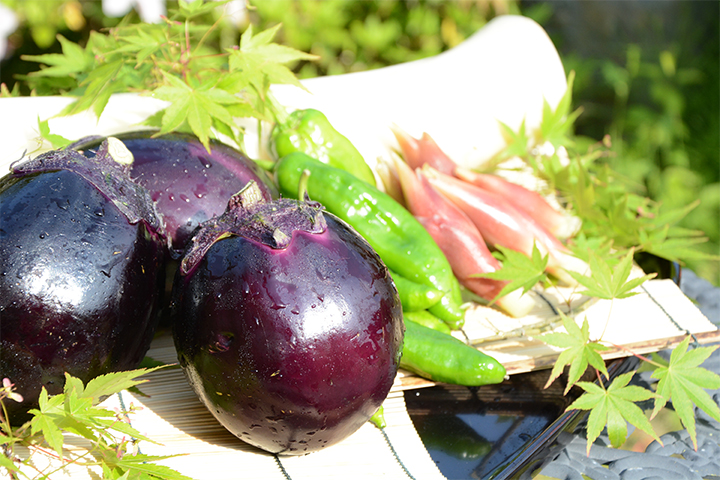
<point>302,185</point>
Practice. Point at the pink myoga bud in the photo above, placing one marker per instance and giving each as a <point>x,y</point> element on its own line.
<point>556,222</point>
<point>459,239</point>
<point>421,151</point>
<point>500,223</point>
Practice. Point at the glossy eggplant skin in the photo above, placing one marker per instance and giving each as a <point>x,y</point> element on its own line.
<point>188,183</point>
<point>79,284</point>
<point>291,349</point>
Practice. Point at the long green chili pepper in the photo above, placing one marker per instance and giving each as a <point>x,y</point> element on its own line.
<point>400,240</point>
<point>309,131</point>
<point>426,319</point>
<point>415,296</point>
<point>443,358</point>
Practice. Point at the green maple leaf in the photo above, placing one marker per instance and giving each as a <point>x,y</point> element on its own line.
<point>263,62</point>
<point>175,61</point>
<point>578,185</point>
<point>73,60</point>
<point>610,282</point>
<point>57,141</point>
<point>99,86</point>
<point>111,383</point>
<point>196,107</point>
<point>9,465</point>
<point>75,410</point>
<point>140,41</point>
<point>583,246</point>
<point>42,421</point>
<point>684,382</point>
<point>517,142</point>
<point>556,125</point>
<point>189,9</point>
<point>614,408</point>
<point>140,466</point>
<point>579,351</point>
<point>659,236</point>
<point>519,270</point>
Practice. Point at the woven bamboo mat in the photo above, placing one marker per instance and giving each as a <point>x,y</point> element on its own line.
<point>173,416</point>
<point>169,412</point>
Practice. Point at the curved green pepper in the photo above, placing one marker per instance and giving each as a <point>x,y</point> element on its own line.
<point>426,319</point>
<point>310,132</point>
<point>401,241</point>
<point>441,357</point>
<point>415,296</point>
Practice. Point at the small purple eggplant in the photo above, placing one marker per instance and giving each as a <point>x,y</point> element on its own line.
<point>81,255</point>
<point>286,323</point>
<point>188,183</point>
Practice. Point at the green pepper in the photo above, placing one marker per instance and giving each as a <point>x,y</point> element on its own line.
<point>441,357</point>
<point>310,132</point>
<point>415,296</point>
<point>401,241</point>
<point>427,319</point>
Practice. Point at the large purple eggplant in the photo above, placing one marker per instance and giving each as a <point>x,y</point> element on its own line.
<point>188,183</point>
<point>81,253</point>
<point>287,324</point>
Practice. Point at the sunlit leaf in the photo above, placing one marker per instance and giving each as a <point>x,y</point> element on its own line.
<point>683,381</point>
<point>613,408</point>
<point>57,141</point>
<point>517,142</point>
<point>578,353</point>
<point>608,283</point>
<point>111,383</point>
<point>519,270</point>
<point>73,60</point>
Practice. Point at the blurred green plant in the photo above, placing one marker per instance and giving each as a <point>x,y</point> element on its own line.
<point>45,18</point>
<point>351,36</point>
<point>652,146</point>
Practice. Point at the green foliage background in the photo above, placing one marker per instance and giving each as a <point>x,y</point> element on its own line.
<point>647,72</point>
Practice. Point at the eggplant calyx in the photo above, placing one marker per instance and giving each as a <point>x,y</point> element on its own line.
<point>110,176</point>
<point>249,215</point>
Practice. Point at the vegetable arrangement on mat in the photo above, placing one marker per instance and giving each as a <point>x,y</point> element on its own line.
<point>294,291</point>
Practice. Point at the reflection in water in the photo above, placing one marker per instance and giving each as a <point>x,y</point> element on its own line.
<point>474,433</point>
<point>496,431</point>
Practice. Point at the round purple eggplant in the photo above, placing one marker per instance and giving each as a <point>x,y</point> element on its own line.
<point>81,254</point>
<point>286,323</point>
<point>188,183</point>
